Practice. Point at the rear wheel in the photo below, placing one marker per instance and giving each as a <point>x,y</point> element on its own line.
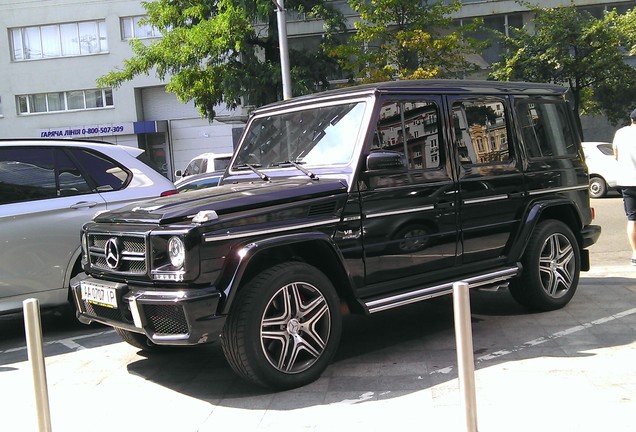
<point>551,267</point>
<point>598,187</point>
<point>284,327</point>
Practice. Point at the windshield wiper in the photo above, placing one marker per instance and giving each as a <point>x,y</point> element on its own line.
<point>261,174</point>
<point>298,166</point>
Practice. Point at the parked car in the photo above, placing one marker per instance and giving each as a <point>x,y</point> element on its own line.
<point>199,181</point>
<point>360,199</point>
<point>204,163</point>
<point>48,190</point>
<point>602,167</point>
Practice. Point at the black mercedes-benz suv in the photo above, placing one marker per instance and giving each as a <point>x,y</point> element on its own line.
<point>362,199</point>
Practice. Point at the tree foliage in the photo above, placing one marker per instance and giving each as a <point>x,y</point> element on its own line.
<point>569,46</point>
<point>406,39</point>
<point>220,51</point>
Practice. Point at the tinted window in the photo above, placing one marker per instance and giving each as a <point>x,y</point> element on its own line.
<point>200,184</point>
<point>606,149</point>
<point>545,128</point>
<point>34,173</point>
<point>410,128</point>
<point>481,132</point>
<point>71,181</point>
<point>26,174</point>
<point>103,172</point>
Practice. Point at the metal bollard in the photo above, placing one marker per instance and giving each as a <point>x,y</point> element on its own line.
<point>465,359</point>
<point>33,328</point>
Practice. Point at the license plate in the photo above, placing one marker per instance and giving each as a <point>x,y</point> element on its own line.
<point>99,294</point>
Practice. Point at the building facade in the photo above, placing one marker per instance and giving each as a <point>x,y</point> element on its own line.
<point>53,51</point>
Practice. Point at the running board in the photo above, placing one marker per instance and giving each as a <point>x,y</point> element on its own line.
<point>405,298</point>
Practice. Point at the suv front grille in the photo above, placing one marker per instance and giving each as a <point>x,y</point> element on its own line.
<point>131,257</point>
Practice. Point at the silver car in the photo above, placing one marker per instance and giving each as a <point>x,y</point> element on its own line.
<point>48,189</point>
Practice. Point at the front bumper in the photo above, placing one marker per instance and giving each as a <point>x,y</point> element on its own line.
<point>165,316</point>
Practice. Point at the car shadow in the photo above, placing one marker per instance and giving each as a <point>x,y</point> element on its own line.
<point>58,328</point>
<point>413,348</point>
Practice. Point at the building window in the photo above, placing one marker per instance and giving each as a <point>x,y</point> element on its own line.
<point>65,101</point>
<point>59,40</point>
<point>132,28</point>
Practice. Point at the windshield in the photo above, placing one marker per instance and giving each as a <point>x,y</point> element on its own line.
<point>315,136</point>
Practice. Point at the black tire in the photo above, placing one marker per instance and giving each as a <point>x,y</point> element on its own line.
<point>284,327</point>
<point>409,239</point>
<point>598,187</point>
<point>551,267</point>
<point>137,340</point>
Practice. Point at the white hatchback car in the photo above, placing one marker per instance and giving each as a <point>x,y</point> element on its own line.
<point>599,157</point>
<point>48,189</point>
<point>204,163</point>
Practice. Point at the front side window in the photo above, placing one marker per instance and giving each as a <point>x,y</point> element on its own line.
<point>26,174</point>
<point>410,128</point>
<point>545,128</point>
<point>59,40</point>
<point>34,173</point>
<point>481,131</point>
<point>314,136</point>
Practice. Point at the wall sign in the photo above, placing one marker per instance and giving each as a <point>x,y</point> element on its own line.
<point>108,129</point>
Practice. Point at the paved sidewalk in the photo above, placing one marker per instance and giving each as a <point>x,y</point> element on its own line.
<point>572,369</point>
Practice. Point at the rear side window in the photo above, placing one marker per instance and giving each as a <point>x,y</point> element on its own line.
<point>103,172</point>
<point>481,131</point>
<point>35,173</point>
<point>545,128</point>
<point>221,163</point>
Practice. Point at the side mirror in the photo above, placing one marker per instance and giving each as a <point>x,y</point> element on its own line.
<point>177,173</point>
<point>385,162</point>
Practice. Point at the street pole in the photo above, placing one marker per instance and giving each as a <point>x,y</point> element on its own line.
<point>282,43</point>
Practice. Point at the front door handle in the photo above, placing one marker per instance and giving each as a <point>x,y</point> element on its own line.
<point>84,204</point>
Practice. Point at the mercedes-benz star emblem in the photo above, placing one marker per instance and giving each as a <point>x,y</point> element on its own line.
<point>111,252</point>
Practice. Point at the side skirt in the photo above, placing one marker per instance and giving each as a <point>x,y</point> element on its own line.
<point>493,278</point>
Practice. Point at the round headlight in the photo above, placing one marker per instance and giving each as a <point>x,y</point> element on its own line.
<point>176,251</point>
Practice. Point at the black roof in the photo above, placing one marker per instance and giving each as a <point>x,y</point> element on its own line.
<point>445,86</point>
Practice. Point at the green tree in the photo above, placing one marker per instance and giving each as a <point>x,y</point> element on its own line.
<point>224,51</point>
<point>406,39</point>
<point>570,47</point>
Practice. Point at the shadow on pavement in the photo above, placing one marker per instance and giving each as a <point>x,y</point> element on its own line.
<point>413,348</point>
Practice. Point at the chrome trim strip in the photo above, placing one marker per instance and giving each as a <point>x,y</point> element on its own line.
<point>485,199</point>
<point>134,310</point>
<point>438,290</point>
<point>563,189</point>
<point>398,212</point>
<point>229,235</point>
<point>351,218</point>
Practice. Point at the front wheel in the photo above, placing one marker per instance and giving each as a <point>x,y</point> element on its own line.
<point>137,340</point>
<point>551,267</point>
<point>284,327</point>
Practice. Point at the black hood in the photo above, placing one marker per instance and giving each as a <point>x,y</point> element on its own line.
<point>222,199</point>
